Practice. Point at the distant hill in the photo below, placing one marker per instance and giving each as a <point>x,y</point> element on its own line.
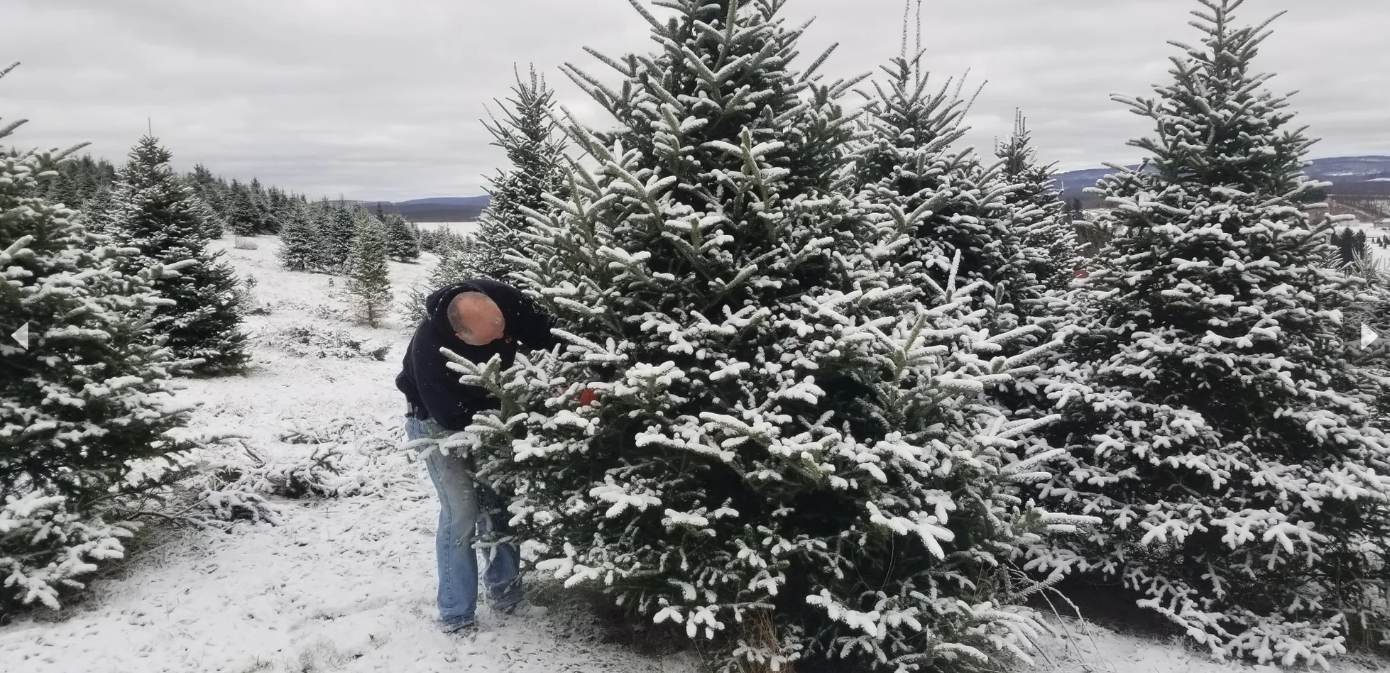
<point>1350,176</point>
<point>436,209</point>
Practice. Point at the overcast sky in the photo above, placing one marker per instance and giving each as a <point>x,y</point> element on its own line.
<point>380,99</point>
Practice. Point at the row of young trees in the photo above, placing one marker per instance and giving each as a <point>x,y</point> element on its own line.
<point>854,401</point>
<point>327,237</point>
<point>349,239</point>
<point>320,237</point>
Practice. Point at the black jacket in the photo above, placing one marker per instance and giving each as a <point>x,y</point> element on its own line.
<point>432,389</point>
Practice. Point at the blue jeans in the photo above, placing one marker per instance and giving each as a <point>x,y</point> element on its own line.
<point>465,506</point>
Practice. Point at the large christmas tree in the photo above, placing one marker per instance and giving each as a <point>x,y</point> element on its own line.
<point>535,151</point>
<point>750,432</point>
<point>87,393</point>
<point>1224,434</point>
<point>157,214</point>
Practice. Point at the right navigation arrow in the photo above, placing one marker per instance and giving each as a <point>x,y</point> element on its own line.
<point>1368,335</point>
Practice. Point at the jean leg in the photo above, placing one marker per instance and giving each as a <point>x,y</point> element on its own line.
<point>501,576</point>
<point>458,515</point>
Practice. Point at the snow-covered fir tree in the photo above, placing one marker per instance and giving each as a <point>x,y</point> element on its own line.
<point>1047,246</point>
<point>916,182</point>
<point>1224,434</point>
<point>209,190</point>
<point>261,199</point>
<point>336,226</point>
<point>535,151</point>
<point>369,281</point>
<point>157,214</point>
<point>213,224</point>
<point>928,201</point>
<point>742,436</point>
<point>299,240</point>
<point>452,268</point>
<point>99,211</point>
<point>243,217</point>
<point>206,185</point>
<point>80,179</point>
<point>62,191</point>
<point>89,394</point>
<point>402,236</point>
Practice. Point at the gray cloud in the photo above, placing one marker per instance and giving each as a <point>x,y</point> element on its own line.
<point>381,98</point>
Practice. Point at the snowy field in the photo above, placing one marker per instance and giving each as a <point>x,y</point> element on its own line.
<point>457,227</point>
<point>347,584</point>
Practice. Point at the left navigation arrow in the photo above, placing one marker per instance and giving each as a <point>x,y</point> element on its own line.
<point>21,336</point>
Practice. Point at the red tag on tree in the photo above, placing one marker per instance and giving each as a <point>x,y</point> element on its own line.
<point>587,397</point>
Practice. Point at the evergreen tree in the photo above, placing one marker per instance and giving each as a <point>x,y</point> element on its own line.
<point>536,153</point>
<point>403,238</point>
<point>159,215</point>
<point>715,294</point>
<point>369,280</point>
<point>1046,240</point>
<point>79,179</point>
<point>242,215</point>
<point>452,268</point>
<point>62,190</point>
<point>299,240</point>
<point>929,203</point>
<point>916,183</point>
<point>1351,246</point>
<point>213,224</point>
<point>336,226</point>
<point>209,189</point>
<point>100,211</point>
<point>87,400</point>
<point>1223,433</point>
<point>273,210</point>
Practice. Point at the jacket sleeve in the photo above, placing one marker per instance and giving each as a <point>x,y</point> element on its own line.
<point>534,330</point>
<point>450,404</point>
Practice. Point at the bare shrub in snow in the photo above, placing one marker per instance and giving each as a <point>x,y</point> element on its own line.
<point>234,505</point>
<point>246,298</point>
<point>339,457</point>
<point>311,341</point>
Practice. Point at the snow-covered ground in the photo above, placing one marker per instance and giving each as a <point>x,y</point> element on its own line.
<point>458,227</point>
<point>347,584</point>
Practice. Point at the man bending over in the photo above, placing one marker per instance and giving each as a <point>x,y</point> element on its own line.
<point>477,320</point>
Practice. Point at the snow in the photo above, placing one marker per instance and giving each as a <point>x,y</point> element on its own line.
<point>458,227</point>
<point>348,584</point>
<point>1090,648</point>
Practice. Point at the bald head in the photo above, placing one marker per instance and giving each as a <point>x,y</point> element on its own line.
<point>476,318</point>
